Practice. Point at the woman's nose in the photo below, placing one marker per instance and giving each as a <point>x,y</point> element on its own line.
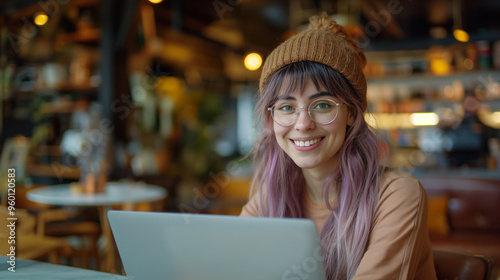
<point>304,121</point>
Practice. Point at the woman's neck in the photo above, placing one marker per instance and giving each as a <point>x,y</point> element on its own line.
<point>314,186</point>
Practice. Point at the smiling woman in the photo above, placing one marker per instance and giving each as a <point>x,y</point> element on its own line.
<point>317,158</point>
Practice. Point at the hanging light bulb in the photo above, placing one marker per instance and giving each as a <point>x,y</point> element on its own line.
<point>41,19</point>
<point>253,61</point>
<point>461,35</point>
<point>458,32</point>
<point>155,1</point>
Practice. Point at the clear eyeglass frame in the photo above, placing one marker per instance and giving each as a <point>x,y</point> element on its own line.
<point>296,111</point>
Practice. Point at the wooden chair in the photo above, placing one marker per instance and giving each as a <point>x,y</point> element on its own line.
<point>50,222</point>
<point>58,222</point>
<point>453,266</point>
<point>28,245</point>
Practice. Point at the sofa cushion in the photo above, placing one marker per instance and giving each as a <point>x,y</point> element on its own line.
<point>474,204</point>
<point>437,221</point>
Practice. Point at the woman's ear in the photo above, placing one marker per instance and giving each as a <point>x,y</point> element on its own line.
<point>350,117</point>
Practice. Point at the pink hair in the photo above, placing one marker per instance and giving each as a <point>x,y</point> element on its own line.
<point>345,234</point>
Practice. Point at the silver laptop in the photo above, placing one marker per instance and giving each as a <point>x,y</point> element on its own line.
<point>176,246</point>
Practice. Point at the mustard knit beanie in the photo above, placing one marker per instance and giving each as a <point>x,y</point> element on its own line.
<point>326,42</point>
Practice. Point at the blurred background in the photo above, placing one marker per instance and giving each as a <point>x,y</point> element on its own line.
<point>163,92</point>
<point>160,90</point>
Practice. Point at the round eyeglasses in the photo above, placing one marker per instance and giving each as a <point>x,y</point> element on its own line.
<point>321,111</point>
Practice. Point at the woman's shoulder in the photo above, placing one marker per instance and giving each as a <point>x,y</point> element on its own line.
<point>394,180</point>
<point>390,174</point>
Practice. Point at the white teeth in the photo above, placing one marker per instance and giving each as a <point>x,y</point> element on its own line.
<point>306,143</point>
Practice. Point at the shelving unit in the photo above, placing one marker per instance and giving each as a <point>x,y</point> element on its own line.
<point>54,74</point>
<point>401,83</point>
<point>428,93</point>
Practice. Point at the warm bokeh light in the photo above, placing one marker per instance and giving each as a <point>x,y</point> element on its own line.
<point>155,1</point>
<point>491,119</point>
<point>438,32</point>
<point>440,66</point>
<point>496,117</point>
<point>385,121</point>
<point>41,19</point>
<point>424,119</point>
<point>461,35</point>
<point>468,64</point>
<point>253,61</point>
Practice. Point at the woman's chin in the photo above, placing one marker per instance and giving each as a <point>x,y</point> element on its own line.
<point>305,164</point>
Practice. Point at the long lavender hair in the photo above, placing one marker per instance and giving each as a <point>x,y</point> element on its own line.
<point>280,182</point>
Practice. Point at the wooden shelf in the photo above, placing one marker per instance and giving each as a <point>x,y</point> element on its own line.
<point>65,87</point>
<point>48,150</point>
<point>431,79</point>
<point>89,35</point>
<point>72,87</point>
<point>63,107</point>
<point>54,170</point>
<point>427,42</point>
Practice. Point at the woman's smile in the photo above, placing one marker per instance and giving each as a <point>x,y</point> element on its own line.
<point>307,144</point>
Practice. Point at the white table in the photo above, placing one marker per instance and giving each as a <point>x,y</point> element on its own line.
<point>117,193</point>
<point>29,270</point>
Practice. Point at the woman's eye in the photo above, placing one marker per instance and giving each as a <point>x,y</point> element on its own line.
<point>322,105</point>
<point>286,108</point>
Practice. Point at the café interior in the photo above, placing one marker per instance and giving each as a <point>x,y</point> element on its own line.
<point>148,106</point>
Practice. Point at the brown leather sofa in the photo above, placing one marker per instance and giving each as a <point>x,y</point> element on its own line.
<point>471,218</point>
<point>458,266</point>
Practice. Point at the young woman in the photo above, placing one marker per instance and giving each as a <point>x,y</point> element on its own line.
<point>317,158</point>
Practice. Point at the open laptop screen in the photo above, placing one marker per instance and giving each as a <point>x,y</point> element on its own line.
<point>209,247</point>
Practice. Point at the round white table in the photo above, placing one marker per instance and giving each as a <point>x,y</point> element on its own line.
<point>117,193</point>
